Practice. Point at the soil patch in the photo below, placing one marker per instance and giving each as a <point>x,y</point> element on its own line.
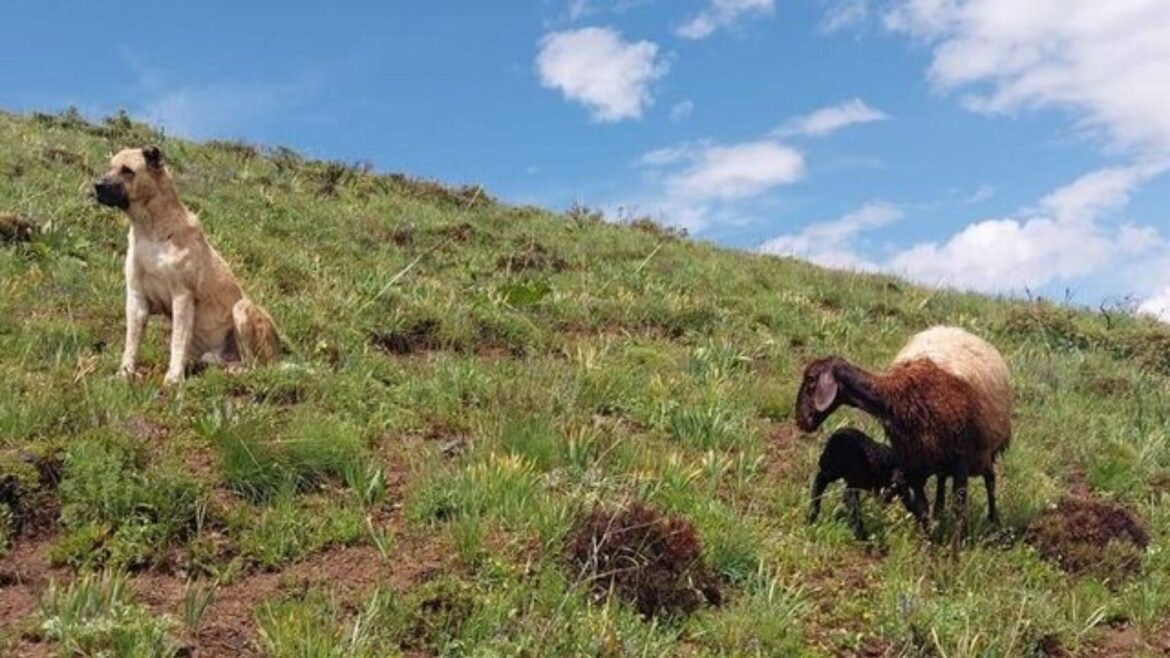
<point>652,561</point>
<point>350,572</point>
<point>24,573</point>
<point>533,257</point>
<point>418,336</point>
<point>1087,536</point>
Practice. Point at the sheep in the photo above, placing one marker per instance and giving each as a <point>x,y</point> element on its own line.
<point>945,404</point>
<point>865,465</point>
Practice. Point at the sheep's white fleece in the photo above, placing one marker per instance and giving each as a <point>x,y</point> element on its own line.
<point>975,361</point>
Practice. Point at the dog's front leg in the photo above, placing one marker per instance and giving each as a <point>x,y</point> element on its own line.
<point>182,324</point>
<point>137,313</point>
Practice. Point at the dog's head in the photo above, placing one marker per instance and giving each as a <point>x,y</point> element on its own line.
<point>135,177</point>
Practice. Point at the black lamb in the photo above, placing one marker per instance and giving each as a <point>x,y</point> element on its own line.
<point>865,465</point>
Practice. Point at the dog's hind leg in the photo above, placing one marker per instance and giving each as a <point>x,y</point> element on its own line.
<point>255,332</point>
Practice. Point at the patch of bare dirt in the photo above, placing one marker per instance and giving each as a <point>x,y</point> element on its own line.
<point>419,336</point>
<point>782,454</point>
<point>145,429</point>
<point>533,257</point>
<point>652,561</point>
<point>461,233</point>
<point>1122,640</point>
<point>1088,536</point>
<point>24,573</point>
<point>350,572</point>
<point>853,573</point>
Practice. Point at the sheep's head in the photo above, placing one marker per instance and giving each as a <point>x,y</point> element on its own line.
<point>818,397</point>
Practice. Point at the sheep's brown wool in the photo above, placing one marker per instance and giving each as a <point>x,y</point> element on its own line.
<point>945,404</point>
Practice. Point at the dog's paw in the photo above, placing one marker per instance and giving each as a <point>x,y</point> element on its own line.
<point>173,379</point>
<point>126,373</point>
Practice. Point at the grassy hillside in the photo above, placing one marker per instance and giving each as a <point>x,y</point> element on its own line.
<point>468,380</point>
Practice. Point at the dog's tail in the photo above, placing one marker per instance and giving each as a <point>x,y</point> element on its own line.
<point>255,332</point>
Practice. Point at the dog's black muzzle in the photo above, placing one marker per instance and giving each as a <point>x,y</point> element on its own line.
<point>111,194</point>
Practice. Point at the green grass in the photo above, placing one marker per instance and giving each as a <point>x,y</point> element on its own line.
<point>96,616</point>
<point>467,376</point>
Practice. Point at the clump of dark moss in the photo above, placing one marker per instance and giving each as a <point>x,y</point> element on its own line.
<point>15,228</point>
<point>652,561</point>
<point>1093,537</point>
<point>533,256</point>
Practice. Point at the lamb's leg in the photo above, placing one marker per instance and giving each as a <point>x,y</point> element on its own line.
<point>921,507</point>
<point>992,510</point>
<point>853,505</point>
<point>821,482</point>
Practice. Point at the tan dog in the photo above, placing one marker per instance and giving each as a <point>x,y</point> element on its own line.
<point>172,270</point>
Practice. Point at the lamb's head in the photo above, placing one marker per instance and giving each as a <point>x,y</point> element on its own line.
<point>818,397</point>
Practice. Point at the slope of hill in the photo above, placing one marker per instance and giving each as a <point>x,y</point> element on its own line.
<point>467,380</point>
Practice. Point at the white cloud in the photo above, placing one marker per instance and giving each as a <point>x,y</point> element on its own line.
<point>1108,62</point>
<point>698,184</point>
<point>682,111</point>
<point>844,14</point>
<point>1060,240</point>
<point>594,66</point>
<point>578,9</point>
<point>832,243</point>
<point>980,194</point>
<point>830,119</point>
<point>723,13</point>
<point>735,171</point>
<point>1157,305</point>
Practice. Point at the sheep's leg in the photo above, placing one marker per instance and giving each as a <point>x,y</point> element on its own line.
<point>960,475</point>
<point>853,504</point>
<point>821,482</point>
<point>992,511</point>
<point>940,497</point>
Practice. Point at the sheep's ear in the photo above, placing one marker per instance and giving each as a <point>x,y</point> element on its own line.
<point>826,391</point>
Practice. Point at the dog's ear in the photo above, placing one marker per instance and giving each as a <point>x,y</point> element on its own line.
<point>153,155</point>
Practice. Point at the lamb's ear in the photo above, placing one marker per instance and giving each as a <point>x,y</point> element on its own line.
<point>153,155</point>
<point>826,392</point>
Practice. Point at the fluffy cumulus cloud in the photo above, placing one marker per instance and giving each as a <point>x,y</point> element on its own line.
<point>596,67</point>
<point>1063,238</point>
<point>723,13</point>
<point>1104,61</point>
<point>1157,305</point>
<point>833,243</point>
<point>734,171</point>
<point>701,183</point>
<point>830,119</point>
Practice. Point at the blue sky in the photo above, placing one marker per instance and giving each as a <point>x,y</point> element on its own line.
<point>985,144</point>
